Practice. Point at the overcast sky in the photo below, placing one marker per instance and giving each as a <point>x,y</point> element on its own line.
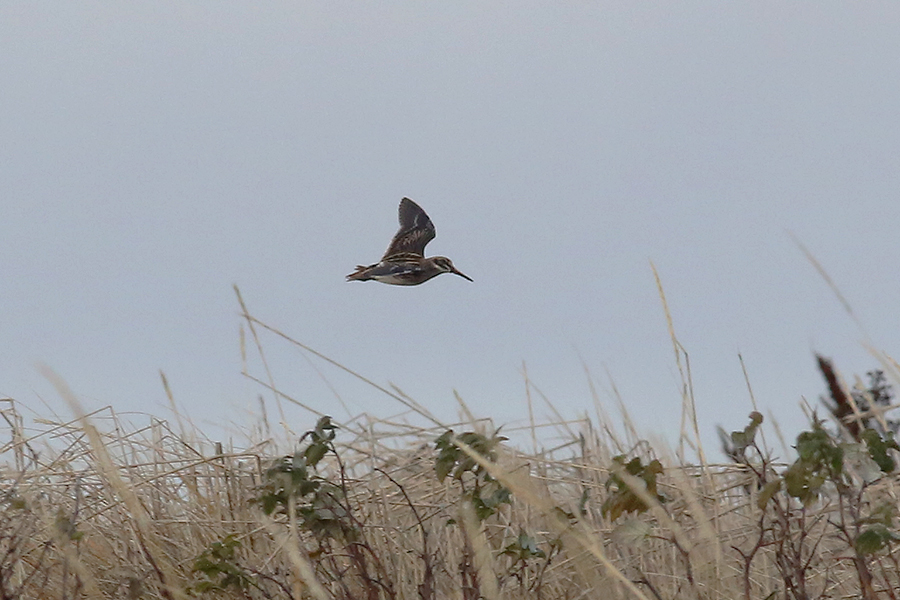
<point>153,154</point>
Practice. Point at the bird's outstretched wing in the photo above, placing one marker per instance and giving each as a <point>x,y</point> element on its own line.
<point>416,230</point>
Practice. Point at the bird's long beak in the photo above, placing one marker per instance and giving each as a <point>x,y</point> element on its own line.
<point>461,274</point>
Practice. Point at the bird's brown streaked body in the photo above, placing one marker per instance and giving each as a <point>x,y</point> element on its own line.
<point>404,262</point>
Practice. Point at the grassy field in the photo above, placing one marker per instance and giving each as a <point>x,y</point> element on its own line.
<point>100,507</point>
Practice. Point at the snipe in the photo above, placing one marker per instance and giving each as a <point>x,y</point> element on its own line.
<point>404,263</point>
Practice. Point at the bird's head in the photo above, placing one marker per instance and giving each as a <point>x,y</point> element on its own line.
<point>446,266</point>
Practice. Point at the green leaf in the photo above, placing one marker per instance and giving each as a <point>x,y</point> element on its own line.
<point>315,452</point>
<point>443,465</point>
<point>878,449</point>
<point>874,539</point>
<point>623,499</point>
<point>523,548</point>
<point>799,484</point>
<point>767,493</point>
<point>742,439</point>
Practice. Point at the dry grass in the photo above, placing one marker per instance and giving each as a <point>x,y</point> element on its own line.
<point>146,502</point>
<point>98,507</point>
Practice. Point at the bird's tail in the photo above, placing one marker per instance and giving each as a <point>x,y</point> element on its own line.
<point>359,274</point>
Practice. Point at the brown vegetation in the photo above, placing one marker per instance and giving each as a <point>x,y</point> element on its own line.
<point>99,508</point>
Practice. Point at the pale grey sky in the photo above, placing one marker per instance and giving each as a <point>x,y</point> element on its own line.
<point>154,153</point>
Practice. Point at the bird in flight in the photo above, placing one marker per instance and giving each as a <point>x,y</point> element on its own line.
<point>404,263</point>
